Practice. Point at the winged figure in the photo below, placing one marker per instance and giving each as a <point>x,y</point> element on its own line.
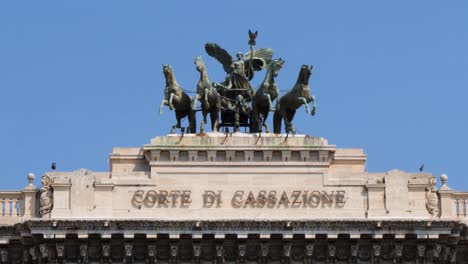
<point>250,62</point>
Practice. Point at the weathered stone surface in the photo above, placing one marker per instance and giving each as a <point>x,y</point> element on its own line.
<point>235,198</point>
<point>238,176</point>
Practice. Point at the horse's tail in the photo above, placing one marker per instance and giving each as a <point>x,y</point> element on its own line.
<point>277,121</point>
<point>192,118</point>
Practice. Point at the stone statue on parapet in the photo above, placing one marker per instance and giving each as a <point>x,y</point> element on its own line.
<point>432,200</point>
<point>177,100</point>
<point>288,104</point>
<point>46,197</point>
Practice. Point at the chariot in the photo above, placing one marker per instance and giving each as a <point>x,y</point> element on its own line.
<point>235,110</point>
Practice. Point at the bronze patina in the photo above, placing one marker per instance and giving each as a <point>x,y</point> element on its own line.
<point>177,100</point>
<point>288,104</point>
<point>208,96</point>
<point>266,93</point>
<point>234,98</point>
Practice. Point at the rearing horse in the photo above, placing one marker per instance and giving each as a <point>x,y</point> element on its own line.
<point>177,99</point>
<point>288,104</point>
<point>266,93</point>
<point>208,96</point>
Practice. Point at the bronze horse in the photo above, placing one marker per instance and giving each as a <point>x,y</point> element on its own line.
<point>177,99</point>
<point>208,96</point>
<point>264,96</point>
<point>288,104</point>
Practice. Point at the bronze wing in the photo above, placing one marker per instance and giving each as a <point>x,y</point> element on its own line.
<point>220,54</point>
<point>261,59</point>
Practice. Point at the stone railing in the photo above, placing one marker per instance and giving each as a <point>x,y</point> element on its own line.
<point>11,206</point>
<point>460,201</point>
<point>16,206</point>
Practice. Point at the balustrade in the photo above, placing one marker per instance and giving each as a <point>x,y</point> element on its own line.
<point>460,200</point>
<point>11,206</point>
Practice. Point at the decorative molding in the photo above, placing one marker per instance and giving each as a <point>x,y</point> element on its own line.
<point>450,226</point>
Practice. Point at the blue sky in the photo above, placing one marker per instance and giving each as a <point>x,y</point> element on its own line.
<point>80,77</point>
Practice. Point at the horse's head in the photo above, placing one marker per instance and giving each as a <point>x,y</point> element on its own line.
<point>167,69</point>
<point>305,73</point>
<point>199,64</point>
<point>276,66</point>
<point>169,75</point>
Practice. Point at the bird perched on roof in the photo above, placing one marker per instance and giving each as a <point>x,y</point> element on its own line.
<point>54,166</point>
<point>421,168</point>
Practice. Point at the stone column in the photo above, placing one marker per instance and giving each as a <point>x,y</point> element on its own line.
<point>447,205</point>
<point>29,195</point>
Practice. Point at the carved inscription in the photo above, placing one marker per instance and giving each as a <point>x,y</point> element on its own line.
<point>242,199</point>
<point>293,199</point>
<point>162,198</point>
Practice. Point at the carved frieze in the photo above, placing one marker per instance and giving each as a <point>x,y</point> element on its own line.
<point>242,250</point>
<point>196,250</point>
<point>33,253</point>
<point>43,250</point>
<point>4,255</point>
<point>309,250</point>
<point>365,250</point>
<point>60,250</point>
<point>342,249</point>
<point>106,250</point>
<point>387,248</point>
<point>421,250</point>
<point>152,251</point>
<point>83,252</point>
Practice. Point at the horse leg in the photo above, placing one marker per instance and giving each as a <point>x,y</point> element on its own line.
<point>277,119</point>
<point>205,113</point>
<point>192,118</point>
<point>203,122</point>
<point>288,124</point>
<point>291,115</point>
<point>312,99</point>
<point>265,117</point>
<point>214,120</point>
<point>270,104</point>
<point>194,101</point>
<point>163,103</point>
<point>207,102</point>
<point>304,101</point>
<point>254,119</point>
<point>171,97</point>
<point>178,118</point>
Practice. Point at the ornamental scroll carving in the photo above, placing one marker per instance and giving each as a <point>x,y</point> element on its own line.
<point>432,200</point>
<point>46,199</point>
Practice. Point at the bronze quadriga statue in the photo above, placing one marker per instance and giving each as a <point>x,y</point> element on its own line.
<point>239,104</point>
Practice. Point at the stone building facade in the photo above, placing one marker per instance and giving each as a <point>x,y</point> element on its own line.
<point>234,198</point>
